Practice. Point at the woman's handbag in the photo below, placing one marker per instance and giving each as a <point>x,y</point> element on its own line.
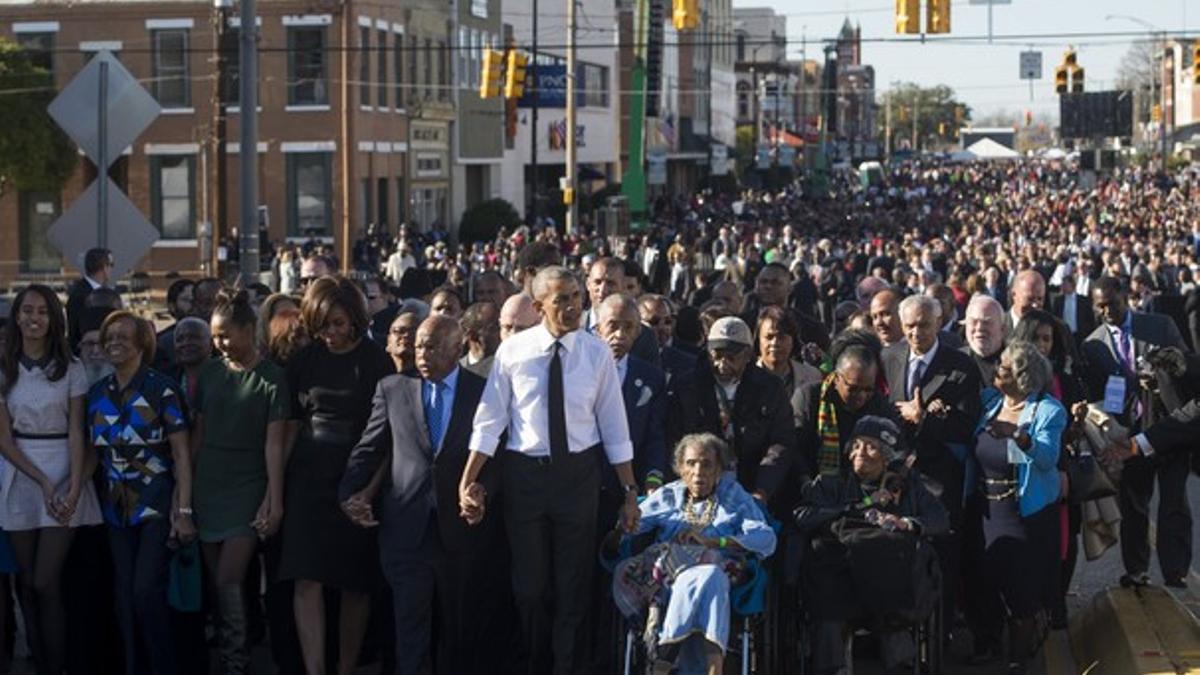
<point>184,593</point>
<point>894,572</point>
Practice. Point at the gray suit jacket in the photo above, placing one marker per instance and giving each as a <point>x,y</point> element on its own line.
<point>1103,357</point>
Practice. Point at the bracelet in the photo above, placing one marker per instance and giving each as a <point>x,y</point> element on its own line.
<point>722,542</point>
<point>184,511</point>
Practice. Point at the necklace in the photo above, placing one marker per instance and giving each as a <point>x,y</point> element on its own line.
<point>701,520</point>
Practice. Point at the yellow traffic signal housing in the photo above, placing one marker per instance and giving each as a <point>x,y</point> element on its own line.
<point>514,76</point>
<point>489,81</point>
<point>1070,58</point>
<point>1060,79</point>
<point>908,17</point>
<point>1196,63</point>
<point>959,113</point>
<point>938,20</point>
<point>1156,113</point>
<point>1077,80</point>
<point>685,14</point>
<point>941,128</point>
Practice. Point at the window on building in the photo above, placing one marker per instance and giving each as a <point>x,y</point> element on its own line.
<point>364,65</point>
<point>40,48</point>
<point>306,66</point>
<point>172,199</point>
<point>365,217</point>
<point>170,67</point>
<point>741,46</point>
<point>444,75</point>
<point>479,8</point>
<point>414,58</point>
<point>398,69</point>
<point>309,193</point>
<point>427,74</point>
<point>381,72</point>
<point>383,204</point>
<point>595,85</point>
<point>229,49</point>
<point>465,54</point>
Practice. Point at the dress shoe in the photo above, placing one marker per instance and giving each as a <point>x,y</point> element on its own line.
<point>1175,582</point>
<point>1135,580</point>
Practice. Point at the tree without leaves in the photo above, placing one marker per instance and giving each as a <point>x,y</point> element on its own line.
<point>34,153</point>
<point>1138,72</point>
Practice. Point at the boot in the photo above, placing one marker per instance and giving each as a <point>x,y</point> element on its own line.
<point>231,630</point>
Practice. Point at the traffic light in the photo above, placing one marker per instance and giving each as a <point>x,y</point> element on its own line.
<point>1060,79</point>
<point>941,128</point>
<point>514,76</point>
<point>1077,80</point>
<point>1070,58</point>
<point>1156,113</point>
<point>908,17</point>
<point>1196,63</point>
<point>938,20</point>
<point>1028,118</point>
<point>686,14</point>
<point>489,81</point>
<point>959,114</point>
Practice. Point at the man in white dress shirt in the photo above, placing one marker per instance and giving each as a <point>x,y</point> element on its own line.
<point>556,391</point>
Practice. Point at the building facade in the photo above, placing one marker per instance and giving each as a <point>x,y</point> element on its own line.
<point>348,138</point>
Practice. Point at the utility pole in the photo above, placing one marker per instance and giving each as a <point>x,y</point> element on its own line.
<point>224,48</point>
<point>916,126</point>
<point>569,195</point>
<point>248,72</point>
<point>887,126</point>
<point>633,185</point>
<point>532,70</point>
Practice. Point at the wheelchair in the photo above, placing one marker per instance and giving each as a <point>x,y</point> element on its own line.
<point>926,625</point>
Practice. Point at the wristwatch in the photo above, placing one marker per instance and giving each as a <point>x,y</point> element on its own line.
<point>632,487</point>
<point>184,511</point>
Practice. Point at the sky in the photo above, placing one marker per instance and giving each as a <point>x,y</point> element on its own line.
<point>986,76</point>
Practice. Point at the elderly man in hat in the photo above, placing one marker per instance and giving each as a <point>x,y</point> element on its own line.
<point>739,402</point>
<point>880,490</point>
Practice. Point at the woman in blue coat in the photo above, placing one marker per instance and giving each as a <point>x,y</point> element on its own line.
<point>1016,448</point>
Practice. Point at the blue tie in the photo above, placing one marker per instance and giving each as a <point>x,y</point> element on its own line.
<point>434,412</point>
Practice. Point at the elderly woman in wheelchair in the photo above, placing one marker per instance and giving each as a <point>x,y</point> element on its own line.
<point>867,563</point>
<point>708,533</point>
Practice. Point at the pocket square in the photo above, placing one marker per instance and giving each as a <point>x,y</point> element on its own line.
<point>644,397</point>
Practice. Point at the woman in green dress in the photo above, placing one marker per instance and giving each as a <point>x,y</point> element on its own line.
<point>240,419</point>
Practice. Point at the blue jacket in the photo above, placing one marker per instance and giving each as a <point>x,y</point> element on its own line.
<point>1037,469</point>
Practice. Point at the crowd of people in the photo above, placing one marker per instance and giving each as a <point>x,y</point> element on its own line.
<point>424,461</point>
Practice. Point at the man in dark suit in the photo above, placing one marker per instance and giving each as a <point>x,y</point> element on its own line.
<point>418,430</point>
<point>1075,310</point>
<point>658,319</point>
<point>97,264</point>
<point>1113,352</point>
<point>605,277</point>
<point>936,393</point>
<point>751,411</point>
<point>771,287</point>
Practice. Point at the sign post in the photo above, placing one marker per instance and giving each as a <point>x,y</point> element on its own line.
<point>1031,68</point>
<point>103,109</point>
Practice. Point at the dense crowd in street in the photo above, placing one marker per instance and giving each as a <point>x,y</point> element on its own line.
<point>492,457</point>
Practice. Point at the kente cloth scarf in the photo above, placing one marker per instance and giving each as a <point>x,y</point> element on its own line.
<point>829,453</point>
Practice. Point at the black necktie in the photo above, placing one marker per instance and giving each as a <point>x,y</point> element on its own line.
<point>558,414</point>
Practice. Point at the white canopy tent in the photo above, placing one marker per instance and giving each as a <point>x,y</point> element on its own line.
<point>987,149</point>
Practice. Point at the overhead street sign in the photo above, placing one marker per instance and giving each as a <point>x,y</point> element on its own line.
<point>75,231</point>
<point>130,108</point>
<point>1031,65</point>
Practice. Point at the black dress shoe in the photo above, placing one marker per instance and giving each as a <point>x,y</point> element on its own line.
<point>1175,582</point>
<point>1135,580</point>
<point>984,656</point>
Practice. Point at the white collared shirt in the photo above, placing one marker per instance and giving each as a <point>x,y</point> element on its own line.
<point>517,394</point>
<point>92,282</point>
<point>1069,308</point>
<point>622,368</point>
<point>925,359</point>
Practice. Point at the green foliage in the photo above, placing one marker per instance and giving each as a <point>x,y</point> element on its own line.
<point>34,152</point>
<point>482,221</point>
<point>929,107</point>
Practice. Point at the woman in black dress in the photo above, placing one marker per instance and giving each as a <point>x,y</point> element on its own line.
<point>333,381</point>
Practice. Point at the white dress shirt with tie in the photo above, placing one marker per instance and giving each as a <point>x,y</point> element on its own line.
<point>917,367</point>
<point>517,397</point>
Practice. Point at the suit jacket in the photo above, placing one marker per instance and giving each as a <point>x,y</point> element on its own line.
<point>645,394</point>
<point>940,442</point>
<point>1103,358</point>
<point>675,361</point>
<point>764,434</point>
<point>76,297</point>
<point>421,488</point>
<point>1085,318</point>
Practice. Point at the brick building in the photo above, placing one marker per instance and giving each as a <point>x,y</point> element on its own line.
<point>347,136</point>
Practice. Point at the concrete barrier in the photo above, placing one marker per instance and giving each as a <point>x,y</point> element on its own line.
<point>1143,631</point>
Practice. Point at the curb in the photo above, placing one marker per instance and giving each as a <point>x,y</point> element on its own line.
<point>1135,631</point>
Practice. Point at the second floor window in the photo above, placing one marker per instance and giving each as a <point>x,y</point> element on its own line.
<point>306,66</point>
<point>170,67</point>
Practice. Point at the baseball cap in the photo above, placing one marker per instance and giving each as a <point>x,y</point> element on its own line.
<point>729,332</point>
